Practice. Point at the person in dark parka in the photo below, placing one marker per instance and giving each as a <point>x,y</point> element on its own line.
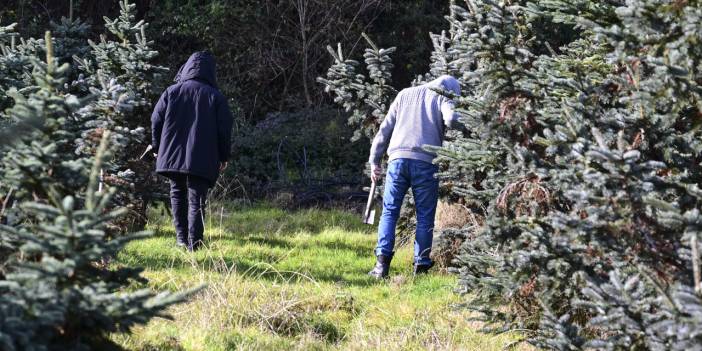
<point>191,129</point>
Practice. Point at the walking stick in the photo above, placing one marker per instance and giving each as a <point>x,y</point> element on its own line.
<point>369,213</point>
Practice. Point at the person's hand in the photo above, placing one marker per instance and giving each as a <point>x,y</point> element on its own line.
<point>223,166</point>
<point>376,173</point>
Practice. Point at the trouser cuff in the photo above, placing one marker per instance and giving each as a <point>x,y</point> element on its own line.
<point>383,252</point>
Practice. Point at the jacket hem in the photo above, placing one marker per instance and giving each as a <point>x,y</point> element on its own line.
<point>412,155</point>
<point>185,171</point>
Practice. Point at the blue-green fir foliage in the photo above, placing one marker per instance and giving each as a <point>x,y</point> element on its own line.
<point>583,156</point>
<point>119,70</point>
<point>367,98</point>
<point>57,215</point>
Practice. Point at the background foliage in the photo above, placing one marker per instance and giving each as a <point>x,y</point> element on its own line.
<point>260,45</point>
<point>269,54</point>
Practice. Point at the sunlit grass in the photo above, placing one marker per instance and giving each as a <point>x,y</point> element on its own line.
<point>279,280</point>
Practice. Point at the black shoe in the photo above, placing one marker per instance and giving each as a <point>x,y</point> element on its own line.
<point>181,241</point>
<point>382,267</point>
<point>196,246</point>
<point>420,269</point>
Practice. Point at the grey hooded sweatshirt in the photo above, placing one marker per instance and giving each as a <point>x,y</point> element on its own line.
<point>416,118</point>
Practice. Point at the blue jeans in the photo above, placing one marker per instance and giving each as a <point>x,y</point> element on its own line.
<point>402,175</point>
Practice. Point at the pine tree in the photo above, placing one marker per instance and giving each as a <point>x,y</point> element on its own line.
<point>13,64</point>
<point>71,37</point>
<point>446,56</point>
<point>58,291</point>
<point>122,74</point>
<point>365,97</point>
<point>119,99</point>
<point>584,161</point>
<point>48,152</point>
<point>17,53</point>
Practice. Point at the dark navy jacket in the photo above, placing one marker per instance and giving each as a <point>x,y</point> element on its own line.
<point>191,123</point>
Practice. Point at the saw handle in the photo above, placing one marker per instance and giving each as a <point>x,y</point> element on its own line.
<point>148,148</point>
<point>369,204</point>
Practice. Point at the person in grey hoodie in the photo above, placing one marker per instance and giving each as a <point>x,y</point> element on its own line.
<point>417,118</point>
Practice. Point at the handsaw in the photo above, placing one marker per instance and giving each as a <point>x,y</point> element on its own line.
<point>369,213</point>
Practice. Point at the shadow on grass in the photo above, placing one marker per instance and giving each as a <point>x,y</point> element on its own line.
<point>275,229</point>
<point>258,270</point>
<point>357,250</point>
<point>272,241</point>
<point>273,222</point>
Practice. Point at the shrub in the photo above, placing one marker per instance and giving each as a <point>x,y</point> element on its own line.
<point>301,150</point>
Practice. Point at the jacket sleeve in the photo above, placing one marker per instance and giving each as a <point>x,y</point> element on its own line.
<point>381,140</point>
<point>448,113</point>
<point>224,129</point>
<point>157,119</point>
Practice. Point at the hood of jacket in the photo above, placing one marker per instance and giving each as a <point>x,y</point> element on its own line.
<point>180,71</point>
<point>447,83</point>
<point>201,66</point>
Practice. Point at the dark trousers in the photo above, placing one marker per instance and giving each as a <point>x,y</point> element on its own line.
<point>188,195</point>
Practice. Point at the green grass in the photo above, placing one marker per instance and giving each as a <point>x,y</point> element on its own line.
<point>280,280</point>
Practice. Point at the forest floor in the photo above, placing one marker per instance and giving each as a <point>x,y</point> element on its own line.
<point>295,280</point>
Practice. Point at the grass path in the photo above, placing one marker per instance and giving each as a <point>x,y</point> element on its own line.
<point>279,281</point>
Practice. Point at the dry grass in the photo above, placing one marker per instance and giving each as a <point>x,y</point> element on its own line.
<point>449,218</point>
<point>524,196</point>
<point>452,216</point>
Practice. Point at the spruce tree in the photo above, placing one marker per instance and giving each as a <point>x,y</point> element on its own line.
<point>117,104</point>
<point>583,154</point>
<point>365,96</point>
<point>16,55</point>
<point>121,72</point>
<point>59,292</point>
<point>15,66</point>
<point>48,152</point>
